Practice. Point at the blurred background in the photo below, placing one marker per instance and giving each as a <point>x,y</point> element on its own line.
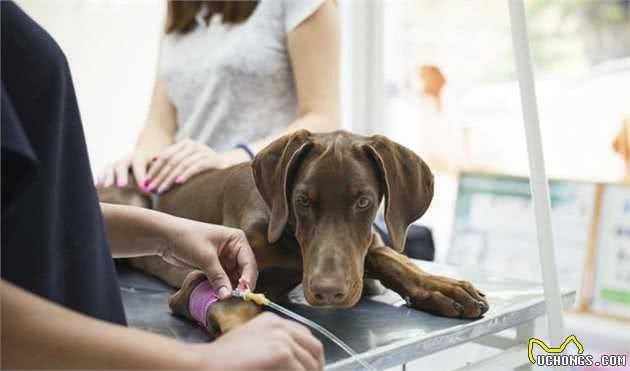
<point>450,73</point>
<point>442,77</point>
<point>438,76</point>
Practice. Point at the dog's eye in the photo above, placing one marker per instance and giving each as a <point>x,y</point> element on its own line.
<point>304,201</point>
<point>363,202</point>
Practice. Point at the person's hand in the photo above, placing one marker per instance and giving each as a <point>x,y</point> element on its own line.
<point>118,172</point>
<point>185,159</point>
<point>222,253</point>
<point>178,163</point>
<point>267,342</point>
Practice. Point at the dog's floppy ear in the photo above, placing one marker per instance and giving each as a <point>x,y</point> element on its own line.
<point>408,185</point>
<point>271,168</point>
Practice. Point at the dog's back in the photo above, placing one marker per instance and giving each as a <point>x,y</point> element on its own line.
<point>213,196</point>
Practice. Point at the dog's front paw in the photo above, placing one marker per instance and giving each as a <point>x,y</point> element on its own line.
<point>221,316</point>
<point>229,313</point>
<point>448,297</point>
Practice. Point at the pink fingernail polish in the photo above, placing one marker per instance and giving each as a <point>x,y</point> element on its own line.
<point>151,187</point>
<point>179,180</point>
<point>243,283</point>
<point>146,181</point>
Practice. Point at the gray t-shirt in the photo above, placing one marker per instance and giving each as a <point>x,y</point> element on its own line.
<point>234,84</point>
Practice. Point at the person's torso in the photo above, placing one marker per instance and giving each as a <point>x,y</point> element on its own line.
<point>231,84</point>
<point>53,236</point>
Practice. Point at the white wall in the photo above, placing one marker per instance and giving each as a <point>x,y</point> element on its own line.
<point>112,49</point>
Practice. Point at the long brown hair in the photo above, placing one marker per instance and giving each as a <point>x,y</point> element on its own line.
<point>180,16</point>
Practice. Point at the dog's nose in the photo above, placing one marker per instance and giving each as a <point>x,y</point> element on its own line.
<point>329,290</point>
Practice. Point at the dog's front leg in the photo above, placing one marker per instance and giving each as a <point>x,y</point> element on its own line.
<point>221,316</point>
<point>435,294</point>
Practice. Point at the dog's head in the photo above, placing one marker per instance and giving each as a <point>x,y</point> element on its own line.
<point>328,187</point>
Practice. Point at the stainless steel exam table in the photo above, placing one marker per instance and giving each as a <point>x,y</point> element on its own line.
<point>382,329</point>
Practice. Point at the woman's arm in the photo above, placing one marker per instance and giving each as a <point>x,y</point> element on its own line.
<point>39,334</point>
<point>133,231</point>
<point>156,135</point>
<point>161,125</point>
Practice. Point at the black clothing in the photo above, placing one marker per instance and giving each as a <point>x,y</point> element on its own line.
<point>53,234</point>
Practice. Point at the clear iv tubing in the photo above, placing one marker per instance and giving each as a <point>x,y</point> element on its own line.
<point>262,300</point>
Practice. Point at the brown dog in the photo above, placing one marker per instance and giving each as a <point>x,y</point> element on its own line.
<point>306,204</point>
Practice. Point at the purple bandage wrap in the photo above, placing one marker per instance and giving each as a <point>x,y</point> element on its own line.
<point>201,298</point>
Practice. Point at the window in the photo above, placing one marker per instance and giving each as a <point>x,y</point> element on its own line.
<point>450,89</point>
